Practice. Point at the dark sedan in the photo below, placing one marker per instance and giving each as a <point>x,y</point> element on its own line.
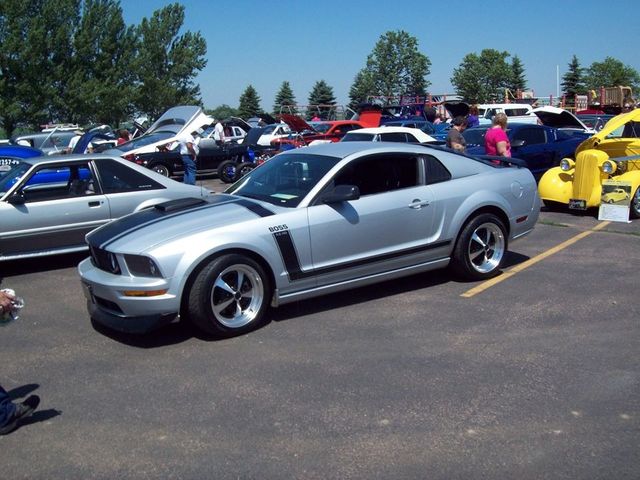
<point>540,147</point>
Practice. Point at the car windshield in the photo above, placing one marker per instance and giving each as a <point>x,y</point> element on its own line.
<point>321,127</point>
<point>285,179</point>
<point>145,140</point>
<point>358,137</point>
<point>11,171</point>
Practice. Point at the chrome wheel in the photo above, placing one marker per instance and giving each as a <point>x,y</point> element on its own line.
<point>161,169</point>
<point>486,247</point>
<point>237,296</point>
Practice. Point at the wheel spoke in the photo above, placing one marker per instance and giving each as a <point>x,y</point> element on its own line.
<point>240,281</point>
<point>220,283</point>
<point>474,255</point>
<point>476,238</point>
<point>220,307</point>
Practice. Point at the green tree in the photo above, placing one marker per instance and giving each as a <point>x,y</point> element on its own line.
<point>396,66</point>
<point>35,38</point>
<point>572,81</point>
<point>284,98</point>
<point>222,111</point>
<point>362,88</point>
<point>249,103</point>
<point>98,85</point>
<point>610,73</point>
<point>482,78</point>
<point>322,94</point>
<point>517,80</point>
<point>167,63</point>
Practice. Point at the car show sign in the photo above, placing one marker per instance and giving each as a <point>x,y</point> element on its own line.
<point>615,201</point>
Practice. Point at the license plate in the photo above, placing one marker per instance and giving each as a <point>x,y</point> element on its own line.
<point>577,204</point>
<point>88,292</point>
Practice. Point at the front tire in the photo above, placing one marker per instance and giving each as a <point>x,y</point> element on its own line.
<point>229,296</point>
<point>480,248</point>
<point>227,171</point>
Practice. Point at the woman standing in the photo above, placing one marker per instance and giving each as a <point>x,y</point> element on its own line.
<point>496,141</point>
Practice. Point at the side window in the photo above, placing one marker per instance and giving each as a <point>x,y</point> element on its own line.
<point>532,136</point>
<point>116,177</point>
<point>380,173</point>
<point>59,181</point>
<point>393,137</point>
<point>435,172</point>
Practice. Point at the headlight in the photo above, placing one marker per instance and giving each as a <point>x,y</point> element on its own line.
<point>142,266</point>
<point>608,167</point>
<point>112,263</point>
<point>566,164</point>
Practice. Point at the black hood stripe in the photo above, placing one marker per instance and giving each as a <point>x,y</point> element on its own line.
<point>117,229</point>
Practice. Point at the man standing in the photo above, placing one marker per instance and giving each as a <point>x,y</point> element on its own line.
<point>188,153</point>
<point>218,133</point>
<point>455,140</point>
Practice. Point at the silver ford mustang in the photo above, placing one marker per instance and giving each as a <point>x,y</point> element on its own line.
<point>308,222</point>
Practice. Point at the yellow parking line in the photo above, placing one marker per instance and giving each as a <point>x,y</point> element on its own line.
<point>518,268</point>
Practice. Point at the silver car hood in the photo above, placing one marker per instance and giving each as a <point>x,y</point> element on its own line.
<point>169,221</point>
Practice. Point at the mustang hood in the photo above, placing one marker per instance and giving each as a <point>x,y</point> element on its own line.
<point>612,125</point>
<point>175,119</point>
<point>558,118</point>
<point>170,220</point>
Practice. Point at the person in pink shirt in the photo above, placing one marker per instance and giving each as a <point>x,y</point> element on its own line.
<point>496,141</point>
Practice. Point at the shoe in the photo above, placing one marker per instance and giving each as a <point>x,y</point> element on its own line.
<point>22,410</point>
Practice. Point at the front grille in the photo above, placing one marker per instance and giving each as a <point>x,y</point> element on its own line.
<point>586,175</point>
<point>104,260</point>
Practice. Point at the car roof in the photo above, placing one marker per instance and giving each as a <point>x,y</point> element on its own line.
<point>344,149</point>
<point>71,158</point>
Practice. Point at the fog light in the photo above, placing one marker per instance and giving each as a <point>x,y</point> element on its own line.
<point>608,167</point>
<point>144,293</point>
<point>566,164</point>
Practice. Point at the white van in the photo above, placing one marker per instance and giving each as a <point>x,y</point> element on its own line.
<point>517,112</point>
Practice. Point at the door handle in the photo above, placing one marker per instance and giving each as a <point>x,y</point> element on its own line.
<point>95,203</point>
<point>417,203</point>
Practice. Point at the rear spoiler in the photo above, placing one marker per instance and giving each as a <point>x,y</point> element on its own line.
<point>503,161</point>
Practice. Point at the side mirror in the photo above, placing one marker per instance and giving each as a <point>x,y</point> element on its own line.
<point>518,143</point>
<point>341,193</point>
<point>16,199</point>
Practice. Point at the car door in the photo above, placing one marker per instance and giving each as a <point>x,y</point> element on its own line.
<point>52,208</point>
<point>388,227</point>
<point>535,150</point>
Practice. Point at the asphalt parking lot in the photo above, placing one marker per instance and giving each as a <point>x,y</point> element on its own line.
<point>536,375</point>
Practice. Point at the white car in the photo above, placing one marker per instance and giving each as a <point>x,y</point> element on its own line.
<point>388,134</point>
<point>274,131</point>
<point>166,130</point>
<point>517,112</point>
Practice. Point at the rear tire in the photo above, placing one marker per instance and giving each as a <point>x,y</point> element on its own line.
<point>227,171</point>
<point>161,169</point>
<point>229,296</point>
<point>480,248</point>
<point>243,169</point>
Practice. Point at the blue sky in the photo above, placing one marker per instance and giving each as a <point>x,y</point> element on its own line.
<point>263,43</point>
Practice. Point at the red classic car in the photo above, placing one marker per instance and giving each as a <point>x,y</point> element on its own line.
<point>329,131</point>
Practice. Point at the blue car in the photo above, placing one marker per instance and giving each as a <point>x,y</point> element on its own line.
<point>539,146</point>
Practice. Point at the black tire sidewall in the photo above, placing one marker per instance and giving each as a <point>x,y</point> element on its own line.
<point>460,262</point>
<point>242,166</point>
<point>200,312</point>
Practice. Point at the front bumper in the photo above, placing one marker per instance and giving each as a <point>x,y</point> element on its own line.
<point>108,305</point>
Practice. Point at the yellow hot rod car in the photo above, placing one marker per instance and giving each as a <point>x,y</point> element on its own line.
<point>612,153</point>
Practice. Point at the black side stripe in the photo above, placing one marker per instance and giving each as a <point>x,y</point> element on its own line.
<point>294,271</point>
